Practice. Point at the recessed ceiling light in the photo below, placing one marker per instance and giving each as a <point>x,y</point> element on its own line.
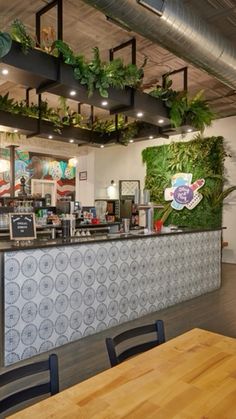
<point>72,93</point>
<point>160,121</point>
<point>189,130</point>
<point>71,140</point>
<point>101,146</point>
<point>139,114</point>
<point>50,137</point>
<point>150,137</point>
<point>15,130</point>
<point>131,141</point>
<point>5,71</point>
<point>104,103</point>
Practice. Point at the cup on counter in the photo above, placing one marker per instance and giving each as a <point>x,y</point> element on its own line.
<point>158,225</point>
<point>126,224</point>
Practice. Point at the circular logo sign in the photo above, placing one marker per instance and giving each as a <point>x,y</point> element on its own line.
<point>183,194</point>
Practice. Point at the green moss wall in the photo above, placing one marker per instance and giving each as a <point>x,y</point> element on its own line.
<point>204,158</point>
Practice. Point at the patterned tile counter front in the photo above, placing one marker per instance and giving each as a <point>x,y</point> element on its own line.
<point>57,295</point>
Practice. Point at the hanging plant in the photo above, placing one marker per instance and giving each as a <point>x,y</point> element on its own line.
<point>19,33</point>
<point>65,116</point>
<point>97,74</point>
<point>5,44</point>
<point>183,110</point>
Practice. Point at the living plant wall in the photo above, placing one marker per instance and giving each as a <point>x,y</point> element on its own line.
<point>204,158</point>
<point>38,166</point>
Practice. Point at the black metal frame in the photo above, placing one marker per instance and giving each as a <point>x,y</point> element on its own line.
<point>59,4</point>
<point>126,44</point>
<point>111,343</point>
<point>183,70</point>
<point>43,11</point>
<point>131,42</point>
<point>27,393</point>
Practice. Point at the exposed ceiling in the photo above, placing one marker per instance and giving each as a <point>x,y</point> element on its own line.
<point>85,27</point>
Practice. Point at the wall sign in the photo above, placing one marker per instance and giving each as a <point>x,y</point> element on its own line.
<point>184,193</point>
<point>22,226</point>
<point>83,175</point>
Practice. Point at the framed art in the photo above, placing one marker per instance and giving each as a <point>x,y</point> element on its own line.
<point>83,175</point>
<point>127,188</point>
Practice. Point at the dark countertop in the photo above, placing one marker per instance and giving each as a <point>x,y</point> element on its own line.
<point>136,234</point>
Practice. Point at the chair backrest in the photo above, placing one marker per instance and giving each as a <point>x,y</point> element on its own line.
<point>111,343</point>
<point>49,387</point>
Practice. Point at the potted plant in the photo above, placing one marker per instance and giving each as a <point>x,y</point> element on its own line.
<point>184,110</point>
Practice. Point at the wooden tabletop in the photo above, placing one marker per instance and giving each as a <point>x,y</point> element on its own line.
<point>191,376</point>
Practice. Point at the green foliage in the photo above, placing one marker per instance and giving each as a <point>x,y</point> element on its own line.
<point>97,74</point>
<point>64,116</point>
<point>5,44</point>
<point>19,33</point>
<point>128,133</point>
<point>6,104</point>
<point>183,110</point>
<point>204,158</point>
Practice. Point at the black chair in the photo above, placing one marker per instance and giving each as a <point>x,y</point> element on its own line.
<point>111,343</point>
<point>49,387</point>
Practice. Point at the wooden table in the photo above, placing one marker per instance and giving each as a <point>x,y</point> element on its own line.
<point>191,376</point>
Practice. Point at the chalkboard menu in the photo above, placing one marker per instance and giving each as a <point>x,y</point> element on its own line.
<point>22,226</point>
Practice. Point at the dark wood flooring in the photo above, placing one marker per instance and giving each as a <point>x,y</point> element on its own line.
<point>215,311</point>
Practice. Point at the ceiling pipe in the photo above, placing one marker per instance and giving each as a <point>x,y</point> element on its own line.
<point>178,28</point>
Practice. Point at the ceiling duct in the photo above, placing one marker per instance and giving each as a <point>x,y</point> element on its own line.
<point>180,29</point>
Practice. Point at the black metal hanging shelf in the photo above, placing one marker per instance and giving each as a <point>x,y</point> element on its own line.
<point>30,127</point>
<point>32,69</point>
<point>34,127</point>
<point>47,73</point>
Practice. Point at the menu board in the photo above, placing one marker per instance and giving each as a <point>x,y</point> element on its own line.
<point>22,226</point>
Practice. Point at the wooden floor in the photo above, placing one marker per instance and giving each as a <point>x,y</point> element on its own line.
<point>215,311</point>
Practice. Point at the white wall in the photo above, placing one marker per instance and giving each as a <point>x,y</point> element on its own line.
<point>85,189</point>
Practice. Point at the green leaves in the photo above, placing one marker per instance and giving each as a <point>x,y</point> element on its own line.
<point>60,47</point>
<point>204,158</point>
<point>183,110</point>
<point>97,74</point>
<point>20,34</point>
<point>5,43</point>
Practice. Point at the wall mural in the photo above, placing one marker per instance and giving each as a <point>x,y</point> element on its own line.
<point>38,166</point>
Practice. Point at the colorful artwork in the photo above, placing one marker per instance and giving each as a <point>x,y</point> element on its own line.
<point>38,166</point>
<point>184,193</point>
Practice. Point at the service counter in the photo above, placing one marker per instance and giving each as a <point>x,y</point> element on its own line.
<point>56,292</point>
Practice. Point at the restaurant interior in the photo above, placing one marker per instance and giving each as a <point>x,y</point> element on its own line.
<point>117,209</point>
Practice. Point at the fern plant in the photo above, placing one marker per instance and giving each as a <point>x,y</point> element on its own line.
<point>19,33</point>
<point>183,110</point>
